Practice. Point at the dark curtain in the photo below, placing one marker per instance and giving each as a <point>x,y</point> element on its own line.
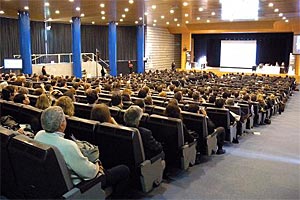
<point>95,37</point>
<point>37,37</point>
<point>126,42</point>
<point>9,38</point>
<point>271,47</point>
<point>59,38</point>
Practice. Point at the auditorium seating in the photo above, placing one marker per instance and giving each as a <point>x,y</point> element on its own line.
<point>123,145</point>
<point>82,110</point>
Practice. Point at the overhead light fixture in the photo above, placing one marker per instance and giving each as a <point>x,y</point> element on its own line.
<point>50,19</point>
<point>178,24</point>
<point>198,18</point>
<point>47,4</point>
<point>77,8</point>
<point>71,21</point>
<point>200,9</point>
<point>271,5</point>
<point>82,15</point>
<point>121,20</point>
<point>71,0</point>
<point>131,1</point>
<point>213,13</point>
<point>57,12</point>
<point>146,13</point>
<point>140,18</point>
<point>162,17</point>
<point>103,17</point>
<point>102,5</point>
<point>283,18</point>
<point>117,23</point>
<point>276,10</point>
<point>208,21</point>
<point>154,24</point>
<point>1,12</point>
<point>167,23</point>
<point>175,19</point>
<point>153,7</point>
<point>48,28</point>
<point>126,9</point>
<point>123,15</point>
<point>185,3</point>
<point>172,11</point>
<point>186,14</point>
<point>187,22</point>
<point>93,22</point>
<point>136,22</point>
<point>26,7</point>
<point>286,20</point>
<point>102,12</point>
<point>280,14</point>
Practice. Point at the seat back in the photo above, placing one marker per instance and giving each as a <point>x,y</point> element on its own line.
<point>33,99</point>
<point>11,108</point>
<point>81,98</point>
<point>83,110</point>
<point>40,170</point>
<point>158,110</point>
<point>31,115</point>
<point>168,131</point>
<point>81,129</point>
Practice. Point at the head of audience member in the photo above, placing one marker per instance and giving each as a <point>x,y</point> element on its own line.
<point>194,108</point>
<point>56,94</point>
<point>116,100</point>
<point>142,93</point>
<point>178,96</point>
<point>38,91</point>
<point>196,96</point>
<point>53,120</point>
<point>101,113</point>
<point>21,98</point>
<point>23,90</point>
<point>171,87</point>
<point>229,102</point>
<point>226,94</point>
<point>70,93</point>
<point>140,103</point>
<point>246,97</point>
<point>3,85</point>
<point>43,102</point>
<point>162,94</point>
<point>91,96</point>
<point>219,103</point>
<point>66,104</point>
<point>173,110</point>
<point>48,87</point>
<point>133,115</point>
<point>8,93</point>
<point>173,101</point>
<point>148,100</point>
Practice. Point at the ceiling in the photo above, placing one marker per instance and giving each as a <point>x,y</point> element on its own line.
<point>158,11</point>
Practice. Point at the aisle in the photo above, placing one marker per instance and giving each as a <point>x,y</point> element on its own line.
<point>265,166</point>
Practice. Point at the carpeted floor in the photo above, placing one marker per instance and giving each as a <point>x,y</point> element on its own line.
<point>265,166</point>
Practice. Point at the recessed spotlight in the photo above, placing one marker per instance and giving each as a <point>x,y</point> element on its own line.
<point>50,19</point>
<point>213,13</point>
<point>175,19</point>
<point>271,5</point>
<point>185,3</point>
<point>140,18</point>
<point>57,12</point>
<point>121,20</point>
<point>283,18</point>
<point>208,21</point>
<point>123,15</point>
<point>1,12</point>
<point>280,14</point>
<point>93,22</point>
<point>136,22</point>
<point>167,23</point>
<point>102,12</point>
<point>186,14</point>
<point>103,17</point>
<point>146,13</point>
<point>71,0</point>
<point>82,15</point>
<point>102,5</point>
<point>155,21</point>
<point>286,20</point>
<point>187,22</point>
<point>117,23</point>
<point>70,21</point>
<point>47,4</point>
<point>162,17</point>
<point>131,1</point>
<point>26,7</point>
<point>172,11</point>
<point>154,24</point>
<point>198,18</point>
<point>153,7</point>
<point>77,8</point>
<point>178,24</point>
<point>201,9</point>
<point>126,9</point>
<point>276,10</point>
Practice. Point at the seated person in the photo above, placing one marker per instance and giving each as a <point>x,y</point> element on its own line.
<point>211,127</point>
<point>101,113</point>
<point>116,100</point>
<point>8,93</point>
<point>22,98</point>
<point>66,104</point>
<point>54,124</point>
<point>220,102</point>
<point>43,102</point>
<point>132,118</point>
<point>91,96</point>
<point>173,110</point>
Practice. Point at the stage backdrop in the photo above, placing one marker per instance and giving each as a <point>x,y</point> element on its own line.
<point>271,47</point>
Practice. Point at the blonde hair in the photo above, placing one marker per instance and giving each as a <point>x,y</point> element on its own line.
<point>66,104</point>
<point>43,102</point>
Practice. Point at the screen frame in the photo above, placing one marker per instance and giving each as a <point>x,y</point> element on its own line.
<point>294,52</point>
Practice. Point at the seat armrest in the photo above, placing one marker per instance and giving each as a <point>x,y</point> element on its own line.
<point>158,156</point>
<point>86,185</point>
<point>212,135</point>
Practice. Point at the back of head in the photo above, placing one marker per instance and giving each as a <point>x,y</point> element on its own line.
<point>194,108</point>
<point>66,104</point>
<point>173,110</point>
<point>19,98</point>
<point>101,113</point>
<point>133,115</point>
<point>8,92</point>
<point>43,102</point>
<point>140,103</point>
<point>116,99</point>
<point>219,102</point>
<point>52,118</point>
<point>229,102</point>
<point>91,96</point>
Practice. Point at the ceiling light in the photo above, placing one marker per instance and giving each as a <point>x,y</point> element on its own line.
<point>146,13</point>
<point>286,20</point>
<point>140,18</point>
<point>154,24</point>
<point>198,18</point>
<point>77,8</point>
<point>186,15</point>
<point>178,24</point>
<point>93,22</point>
<point>26,7</point>
<point>162,17</point>
<point>280,14</point>
<point>283,18</point>
<point>102,5</point>
<point>185,3</point>
<point>213,13</point>
<point>131,1</point>
<point>117,23</point>
<point>47,4</point>
<point>186,22</point>
<point>82,15</point>
<point>48,28</point>
<point>71,0</point>
<point>126,9</point>
<point>50,19</point>
<point>256,19</point>
<point>121,20</point>
<point>70,21</point>
<point>276,10</point>
<point>57,12</point>
<point>271,5</point>
<point>123,15</point>
<point>102,12</point>
<point>153,7</point>
<point>103,17</point>
<point>208,21</point>
<point>201,9</point>
<point>136,22</point>
<point>167,23</point>
<point>175,19</point>
<point>172,11</point>
<point>231,20</point>
<point>155,21</point>
<point>1,12</point>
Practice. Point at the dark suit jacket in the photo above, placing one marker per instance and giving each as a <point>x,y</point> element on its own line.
<point>151,146</point>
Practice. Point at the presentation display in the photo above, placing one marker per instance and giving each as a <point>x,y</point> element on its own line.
<point>13,63</point>
<point>296,44</point>
<point>238,53</point>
